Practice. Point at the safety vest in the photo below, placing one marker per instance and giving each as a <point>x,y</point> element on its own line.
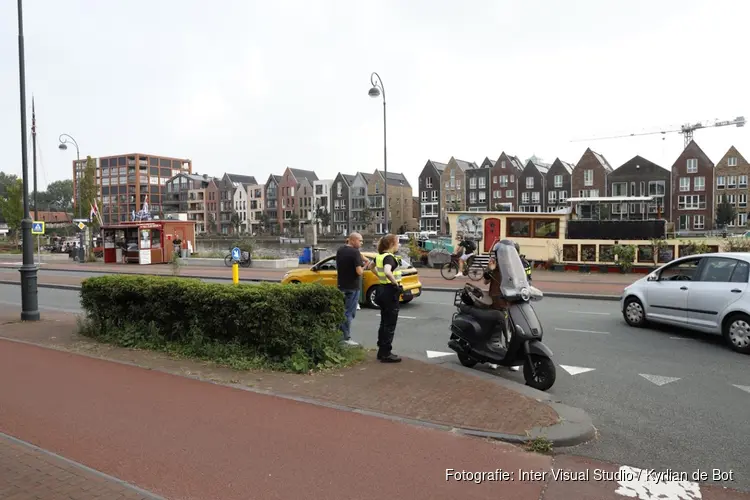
<point>380,269</point>
<point>527,267</point>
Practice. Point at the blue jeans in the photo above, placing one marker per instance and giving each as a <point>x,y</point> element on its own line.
<point>351,299</point>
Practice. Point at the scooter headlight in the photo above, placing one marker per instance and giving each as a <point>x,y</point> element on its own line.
<point>525,294</point>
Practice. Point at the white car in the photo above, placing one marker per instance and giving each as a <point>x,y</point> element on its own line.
<point>706,292</point>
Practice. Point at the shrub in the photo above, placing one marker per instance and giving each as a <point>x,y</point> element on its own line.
<point>290,327</point>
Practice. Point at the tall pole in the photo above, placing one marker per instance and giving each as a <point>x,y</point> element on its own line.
<point>377,89</point>
<point>29,298</point>
<point>33,148</point>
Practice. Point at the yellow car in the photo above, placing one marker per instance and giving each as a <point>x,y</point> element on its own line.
<point>325,273</point>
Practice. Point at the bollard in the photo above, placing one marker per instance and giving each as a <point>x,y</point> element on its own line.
<point>235,272</point>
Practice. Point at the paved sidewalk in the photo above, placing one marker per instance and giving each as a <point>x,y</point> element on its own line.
<point>547,281</point>
<point>28,472</point>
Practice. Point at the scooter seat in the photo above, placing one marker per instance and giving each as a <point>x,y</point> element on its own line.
<point>488,317</point>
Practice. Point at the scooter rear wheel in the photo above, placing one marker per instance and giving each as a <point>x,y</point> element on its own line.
<point>545,373</point>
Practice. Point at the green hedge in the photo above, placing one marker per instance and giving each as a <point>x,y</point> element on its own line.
<point>290,326</point>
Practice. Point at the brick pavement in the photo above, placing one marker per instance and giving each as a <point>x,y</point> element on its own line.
<point>28,472</point>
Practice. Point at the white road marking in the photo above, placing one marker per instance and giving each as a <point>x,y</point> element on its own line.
<point>745,388</point>
<point>438,354</point>
<point>658,379</point>
<point>592,313</point>
<point>662,485</point>
<point>404,317</point>
<point>580,331</point>
<point>680,338</point>
<point>575,370</point>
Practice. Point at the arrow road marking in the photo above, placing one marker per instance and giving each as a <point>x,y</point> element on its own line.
<point>580,331</point>
<point>658,379</point>
<point>644,485</point>
<point>745,388</point>
<point>438,354</point>
<point>575,370</point>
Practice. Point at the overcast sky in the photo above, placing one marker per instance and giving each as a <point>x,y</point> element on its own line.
<point>252,87</point>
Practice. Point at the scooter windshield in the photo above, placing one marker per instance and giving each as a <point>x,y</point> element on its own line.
<point>514,275</point>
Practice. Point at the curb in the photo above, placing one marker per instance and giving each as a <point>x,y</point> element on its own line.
<point>556,295</point>
<point>575,426</point>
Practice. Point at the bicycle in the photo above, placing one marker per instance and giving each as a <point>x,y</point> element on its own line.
<point>245,261</point>
<point>474,273</point>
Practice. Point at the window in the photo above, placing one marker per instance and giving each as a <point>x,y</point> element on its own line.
<point>619,189</point>
<point>558,181</point>
<point>529,183</point>
<point>681,270</point>
<point>732,161</point>
<point>692,165</point>
<point>546,228</point>
<point>519,228</point>
<point>685,184</point>
<point>509,193</point>
<point>525,197</point>
<point>563,196</point>
<point>656,188</point>
<point>472,197</point>
<point>424,196</point>
<point>699,183</point>
<point>588,177</point>
<point>743,181</point>
<point>552,197</point>
<point>535,197</point>
<point>473,183</point>
<point>428,182</point>
<point>742,200</point>
<point>721,270</point>
<point>720,182</point>
<point>482,183</point>
<point>691,202</point>
<point>731,181</point>
<point>698,222</point>
<point>503,180</point>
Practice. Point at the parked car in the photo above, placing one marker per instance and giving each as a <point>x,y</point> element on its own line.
<point>705,292</point>
<point>325,273</point>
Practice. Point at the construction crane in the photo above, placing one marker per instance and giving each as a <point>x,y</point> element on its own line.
<point>687,130</point>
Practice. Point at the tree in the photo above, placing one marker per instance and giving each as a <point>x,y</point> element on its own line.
<point>211,227</point>
<point>236,221</point>
<point>88,190</point>
<point>725,213</point>
<point>11,207</point>
<point>294,223</point>
<point>264,222</point>
<point>5,181</point>
<point>367,217</point>
<point>59,196</point>
<point>325,217</point>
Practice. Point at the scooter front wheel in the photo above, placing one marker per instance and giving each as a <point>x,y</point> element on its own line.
<point>467,361</point>
<point>543,375</point>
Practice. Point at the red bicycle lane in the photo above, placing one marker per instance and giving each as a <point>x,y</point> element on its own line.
<point>186,439</point>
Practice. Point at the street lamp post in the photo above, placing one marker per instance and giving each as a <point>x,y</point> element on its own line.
<point>29,297</point>
<point>64,146</point>
<point>377,89</point>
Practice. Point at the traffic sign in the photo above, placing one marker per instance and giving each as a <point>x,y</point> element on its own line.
<point>81,226</point>
<point>236,254</point>
<point>37,227</point>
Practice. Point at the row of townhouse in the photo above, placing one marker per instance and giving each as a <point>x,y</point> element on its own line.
<point>349,202</point>
<point>238,203</point>
<point>687,195</point>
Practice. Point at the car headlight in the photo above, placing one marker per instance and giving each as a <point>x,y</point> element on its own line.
<point>525,294</point>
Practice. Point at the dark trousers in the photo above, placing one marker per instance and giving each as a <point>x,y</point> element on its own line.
<point>388,300</point>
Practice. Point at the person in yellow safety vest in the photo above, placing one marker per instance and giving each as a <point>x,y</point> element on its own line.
<point>526,264</point>
<point>388,295</point>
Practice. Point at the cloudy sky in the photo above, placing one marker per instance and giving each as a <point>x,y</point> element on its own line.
<point>253,87</point>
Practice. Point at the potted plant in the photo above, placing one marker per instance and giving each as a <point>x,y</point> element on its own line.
<point>415,253</point>
<point>625,255</point>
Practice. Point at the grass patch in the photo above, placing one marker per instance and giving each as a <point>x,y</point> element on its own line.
<point>539,445</point>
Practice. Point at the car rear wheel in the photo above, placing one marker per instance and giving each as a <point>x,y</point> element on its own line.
<point>737,332</point>
<point>634,314</point>
<point>370,297</point>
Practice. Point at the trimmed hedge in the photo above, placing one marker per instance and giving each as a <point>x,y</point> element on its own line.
<point>294,326</point>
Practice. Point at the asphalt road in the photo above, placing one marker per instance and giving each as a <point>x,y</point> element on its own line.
<point>660,399</point>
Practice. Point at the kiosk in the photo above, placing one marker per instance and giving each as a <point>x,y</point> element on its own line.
<point>146,242</point>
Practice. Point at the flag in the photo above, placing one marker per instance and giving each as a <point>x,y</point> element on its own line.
<point>95,211</point>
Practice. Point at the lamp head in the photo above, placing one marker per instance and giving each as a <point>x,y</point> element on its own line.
<point>63,146</point>
<point>374,92</point>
